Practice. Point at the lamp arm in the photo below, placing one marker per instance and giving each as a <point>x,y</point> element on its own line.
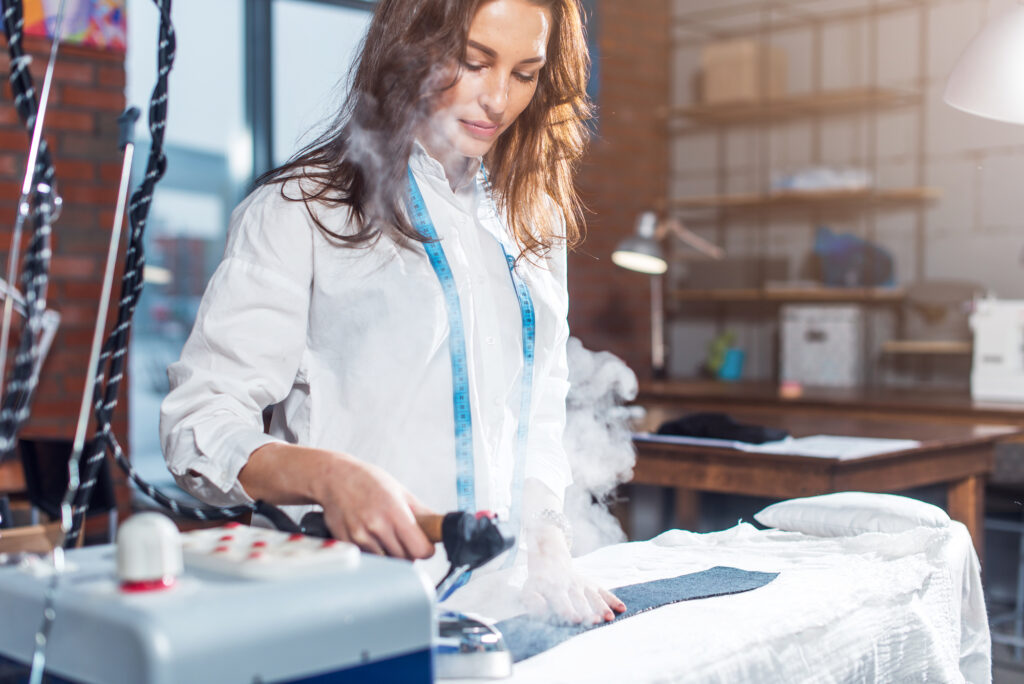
<point>687,236</point>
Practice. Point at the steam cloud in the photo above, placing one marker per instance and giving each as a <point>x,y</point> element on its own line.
<point>598,442</point>
<point>370,132</point>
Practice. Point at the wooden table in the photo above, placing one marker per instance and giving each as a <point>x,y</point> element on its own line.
<point>955,454</point>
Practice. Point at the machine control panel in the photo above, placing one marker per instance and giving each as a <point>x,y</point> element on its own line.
<point>262,553</point>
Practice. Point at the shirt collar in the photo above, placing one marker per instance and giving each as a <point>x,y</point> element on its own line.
<point>422,162</point>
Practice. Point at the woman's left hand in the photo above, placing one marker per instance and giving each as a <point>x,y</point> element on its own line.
<point>553,589</point>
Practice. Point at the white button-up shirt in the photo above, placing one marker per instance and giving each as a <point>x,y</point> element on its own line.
<point>350,346</point>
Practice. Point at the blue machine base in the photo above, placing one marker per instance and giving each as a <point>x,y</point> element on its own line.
<point>412,668</point>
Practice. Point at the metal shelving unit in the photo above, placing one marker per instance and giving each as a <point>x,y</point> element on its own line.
<point>760,20</point>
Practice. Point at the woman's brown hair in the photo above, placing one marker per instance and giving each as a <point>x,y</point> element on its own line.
<point>360,161</point>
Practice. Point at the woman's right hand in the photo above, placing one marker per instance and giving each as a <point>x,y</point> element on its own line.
<point>365,505</point>
<point>362,503</point>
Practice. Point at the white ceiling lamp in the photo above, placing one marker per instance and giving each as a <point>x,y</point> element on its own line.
<point>988,79</point>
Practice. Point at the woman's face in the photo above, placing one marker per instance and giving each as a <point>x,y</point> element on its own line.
<point>507,47</point>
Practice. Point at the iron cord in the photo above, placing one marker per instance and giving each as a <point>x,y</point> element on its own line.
<point>42,208</point>
<point>109,371</point>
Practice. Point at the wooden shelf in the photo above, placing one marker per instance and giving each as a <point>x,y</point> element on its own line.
<point>808,198</point>
<point>943,404</point>
<point>795,106</point>
<point>879,295</point>
<point>923,347</point>
<point>727,20</point>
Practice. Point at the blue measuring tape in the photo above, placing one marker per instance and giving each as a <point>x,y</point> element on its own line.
<point>464,468</point>
<point>523,428</point>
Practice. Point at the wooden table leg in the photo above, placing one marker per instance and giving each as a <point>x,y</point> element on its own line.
<point>965,500</point>
<point>687,509</point>
<point>622,509</point>
<point>12,477</point>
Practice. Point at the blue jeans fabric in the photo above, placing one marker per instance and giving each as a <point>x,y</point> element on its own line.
<point>527,636</point>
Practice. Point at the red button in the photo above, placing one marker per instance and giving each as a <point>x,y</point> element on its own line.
<point>296,537</point>
<point>259,544</point>
<point>133,587</point>
<point>232,525</point>
<point>221,549</point>
<point>226,537</point>
<point>329,543</point>
<point>255,554</point>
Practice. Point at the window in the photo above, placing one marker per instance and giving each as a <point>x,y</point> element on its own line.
<point>209,146</point>
<point>314,44</point>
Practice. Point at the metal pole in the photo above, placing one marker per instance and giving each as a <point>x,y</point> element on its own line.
<point>25,201</point>
<point>127,122</point>
<point>658,370</point>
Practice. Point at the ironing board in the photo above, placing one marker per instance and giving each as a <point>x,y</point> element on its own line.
<point>901,607</point>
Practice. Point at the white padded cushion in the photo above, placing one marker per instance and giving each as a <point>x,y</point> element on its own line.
<point>845,514</point>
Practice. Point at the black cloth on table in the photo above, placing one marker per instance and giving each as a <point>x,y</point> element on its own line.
<point>711,425</point>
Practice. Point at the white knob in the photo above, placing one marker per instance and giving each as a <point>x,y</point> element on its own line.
<point>148,553</point>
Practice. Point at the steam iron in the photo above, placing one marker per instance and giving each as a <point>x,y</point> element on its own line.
<point>465,646</point>
<point>469,648</point>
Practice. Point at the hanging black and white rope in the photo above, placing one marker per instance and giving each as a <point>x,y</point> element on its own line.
<point>43,207</point>
<point>110,368</point>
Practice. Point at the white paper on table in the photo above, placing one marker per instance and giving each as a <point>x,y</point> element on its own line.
<point>819,446</point>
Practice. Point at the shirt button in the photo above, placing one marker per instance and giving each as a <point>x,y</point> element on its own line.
<point>490,339</point>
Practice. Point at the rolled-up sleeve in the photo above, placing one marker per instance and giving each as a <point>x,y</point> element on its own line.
<point>244,351</point>
<point>547,460</point>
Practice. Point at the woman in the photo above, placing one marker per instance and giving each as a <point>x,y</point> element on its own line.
<point>397,293</point>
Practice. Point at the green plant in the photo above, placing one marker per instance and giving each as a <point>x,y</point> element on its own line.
<point>717,349</point>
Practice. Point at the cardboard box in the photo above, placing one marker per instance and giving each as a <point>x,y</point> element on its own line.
<point>822,345</point>
<point>741,70</point>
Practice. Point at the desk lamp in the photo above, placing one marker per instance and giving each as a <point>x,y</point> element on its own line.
<point>641,252</point>
<point>988,79</point>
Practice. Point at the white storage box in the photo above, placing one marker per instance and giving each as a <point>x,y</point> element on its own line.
<point>822,345</point>
<point>997,369</point>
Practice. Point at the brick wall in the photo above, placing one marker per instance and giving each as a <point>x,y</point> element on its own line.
<point>624,174</point>
<point>81,129</point>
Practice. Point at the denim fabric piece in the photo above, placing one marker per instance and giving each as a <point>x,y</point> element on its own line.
<point>526,636</point>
